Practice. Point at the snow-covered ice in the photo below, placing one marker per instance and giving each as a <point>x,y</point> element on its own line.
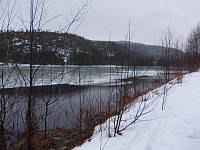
<point>177,127</point>
<point>72,75</point>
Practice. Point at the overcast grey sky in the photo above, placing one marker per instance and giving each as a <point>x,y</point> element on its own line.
<point>148,18</point>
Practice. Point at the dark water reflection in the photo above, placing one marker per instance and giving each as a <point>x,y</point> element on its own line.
<point>62,102</point>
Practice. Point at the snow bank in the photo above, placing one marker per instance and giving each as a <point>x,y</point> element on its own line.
<point>175,128</point>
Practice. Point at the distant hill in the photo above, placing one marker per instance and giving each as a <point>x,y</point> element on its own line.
<point>150,50</point>
<point>55,48</point>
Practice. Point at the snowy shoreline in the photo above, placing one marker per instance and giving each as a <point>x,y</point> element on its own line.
<point>177,127</point>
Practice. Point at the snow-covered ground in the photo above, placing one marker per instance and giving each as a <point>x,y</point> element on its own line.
<point>177,127</point>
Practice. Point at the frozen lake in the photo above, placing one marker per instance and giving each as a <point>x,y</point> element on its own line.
<point>63,88</point>
<point>18,76</point>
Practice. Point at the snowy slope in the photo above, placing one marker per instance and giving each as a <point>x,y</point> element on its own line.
<point>175,128</point>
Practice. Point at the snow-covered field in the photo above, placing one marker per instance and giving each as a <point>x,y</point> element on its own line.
<point>177,127</point>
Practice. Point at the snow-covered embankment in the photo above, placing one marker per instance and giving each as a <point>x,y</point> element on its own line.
<point>177,127</point>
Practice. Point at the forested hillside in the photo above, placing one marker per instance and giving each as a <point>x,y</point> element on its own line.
<point>54,47</point>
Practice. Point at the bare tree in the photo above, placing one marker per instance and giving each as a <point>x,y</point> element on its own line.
<point>193,49</point>
<point>37,9</point>
<point>38,19</point>
<point>6,102</point>
<point>167,46</point>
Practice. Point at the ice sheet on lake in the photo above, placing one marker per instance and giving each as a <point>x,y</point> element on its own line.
<point>72,75</point>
